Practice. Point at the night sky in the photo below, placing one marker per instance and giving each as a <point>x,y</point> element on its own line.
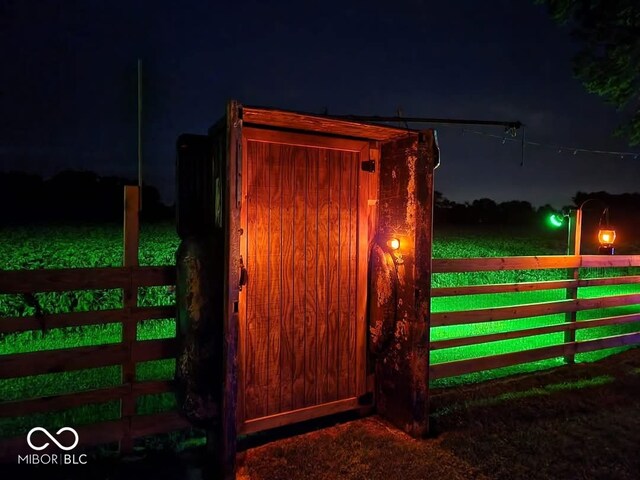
<point>68,84</point>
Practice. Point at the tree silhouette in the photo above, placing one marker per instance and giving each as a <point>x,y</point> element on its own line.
<point>609,62</point>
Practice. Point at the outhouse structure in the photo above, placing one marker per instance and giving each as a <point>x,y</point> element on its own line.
<point>304,270</point>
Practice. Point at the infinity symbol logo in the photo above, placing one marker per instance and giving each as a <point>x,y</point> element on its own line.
<point>60,446</point>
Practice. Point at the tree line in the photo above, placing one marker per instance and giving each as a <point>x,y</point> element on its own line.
<point>72,196</point>
<point>624,211</point>
<point>85,196</point>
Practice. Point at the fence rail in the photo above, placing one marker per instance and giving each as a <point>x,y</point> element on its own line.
<point>569,306</point>
<point>130,278</point>
<point>130,351</point>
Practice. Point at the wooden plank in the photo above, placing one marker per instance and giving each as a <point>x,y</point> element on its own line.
<point>333,302</point>
<point>274,274</point>
<point>322,282</point>
<point>244,293</point>
<point>532,286</point>
<point>147,350</point>
<point>602,261</point>
<point>60,402</point>
<point>530,310</point>
<point>368,208</point>
<point>445,265</point>
<point>301,140</point>
<point>288,269</point>
<point>300,415</point>
<point>345,292</point>
<point>613,341</point>
<point>79,319</point>
<point>501,288</point>
<point>69,359</point>
<point>231,183</point>
<point>355,315</point>
<point>621,280</point>
<point>323,124</point>
<point>130,296</point>
<point>528,332</point>
<point>154,276</point>
<point>418,352</point>
<point>131,225</point>
<point>311,279</point>
<point>260,172</point>
<point>153,387</point>
<point>254,155</point>
<point>69,279</point>
<point>299,168</point>
<point>461,367</point>
<point>59,280</point>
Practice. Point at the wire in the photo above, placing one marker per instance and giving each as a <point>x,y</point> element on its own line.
<point>559,148</point>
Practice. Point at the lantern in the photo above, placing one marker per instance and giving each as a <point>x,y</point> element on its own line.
<point>606,235</point>
<point>606,238</point>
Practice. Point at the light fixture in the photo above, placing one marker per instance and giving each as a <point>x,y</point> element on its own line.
<point>393,244</point>
<point>557,219</point>
<point>606,235</point>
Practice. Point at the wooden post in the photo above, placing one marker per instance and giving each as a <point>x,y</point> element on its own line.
<point>130,301</point>
<point>226,448</point>
<point>573,248</point>
<point>406,213</point>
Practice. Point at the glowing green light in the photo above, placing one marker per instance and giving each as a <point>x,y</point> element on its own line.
<point>556,220</point>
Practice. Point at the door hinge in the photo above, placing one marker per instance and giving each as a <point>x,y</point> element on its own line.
<point>369,166</point>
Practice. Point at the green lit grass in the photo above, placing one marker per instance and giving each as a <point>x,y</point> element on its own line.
<point>100,245</point>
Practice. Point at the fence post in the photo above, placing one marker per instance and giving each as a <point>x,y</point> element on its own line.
<point>573,248</point>
<point>130,301</point>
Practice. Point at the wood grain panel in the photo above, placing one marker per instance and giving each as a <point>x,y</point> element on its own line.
<point>316,123</point>
<point>311,279</point>
<point>261,282</point>
<point>288,298</point>
<point>460,367</point>
<point>443,265</point>
<point>274,275</point>
<point>302,306</point>
<point>299,268</point>
<point>334,275</point>
<point>531,310</point>
<point>248,314</point>
<point>322,281</point>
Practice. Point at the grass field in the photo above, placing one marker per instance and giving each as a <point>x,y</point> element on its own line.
<point>101,245</point>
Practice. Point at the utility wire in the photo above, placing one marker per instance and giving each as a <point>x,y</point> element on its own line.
<point>510,137</point>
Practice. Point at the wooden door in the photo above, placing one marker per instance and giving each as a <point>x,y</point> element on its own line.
<point>302,331</point>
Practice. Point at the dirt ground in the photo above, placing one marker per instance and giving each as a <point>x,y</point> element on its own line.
<point>573,422</point>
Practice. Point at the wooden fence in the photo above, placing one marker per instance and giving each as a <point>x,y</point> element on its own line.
<point>127,353</point>
<point>568,306</point>
<point>131,351</point>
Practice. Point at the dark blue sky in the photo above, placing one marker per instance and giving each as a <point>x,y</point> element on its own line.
<point>68,84</point>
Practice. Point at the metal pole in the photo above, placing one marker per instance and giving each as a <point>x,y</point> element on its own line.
<point>442,121</point>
